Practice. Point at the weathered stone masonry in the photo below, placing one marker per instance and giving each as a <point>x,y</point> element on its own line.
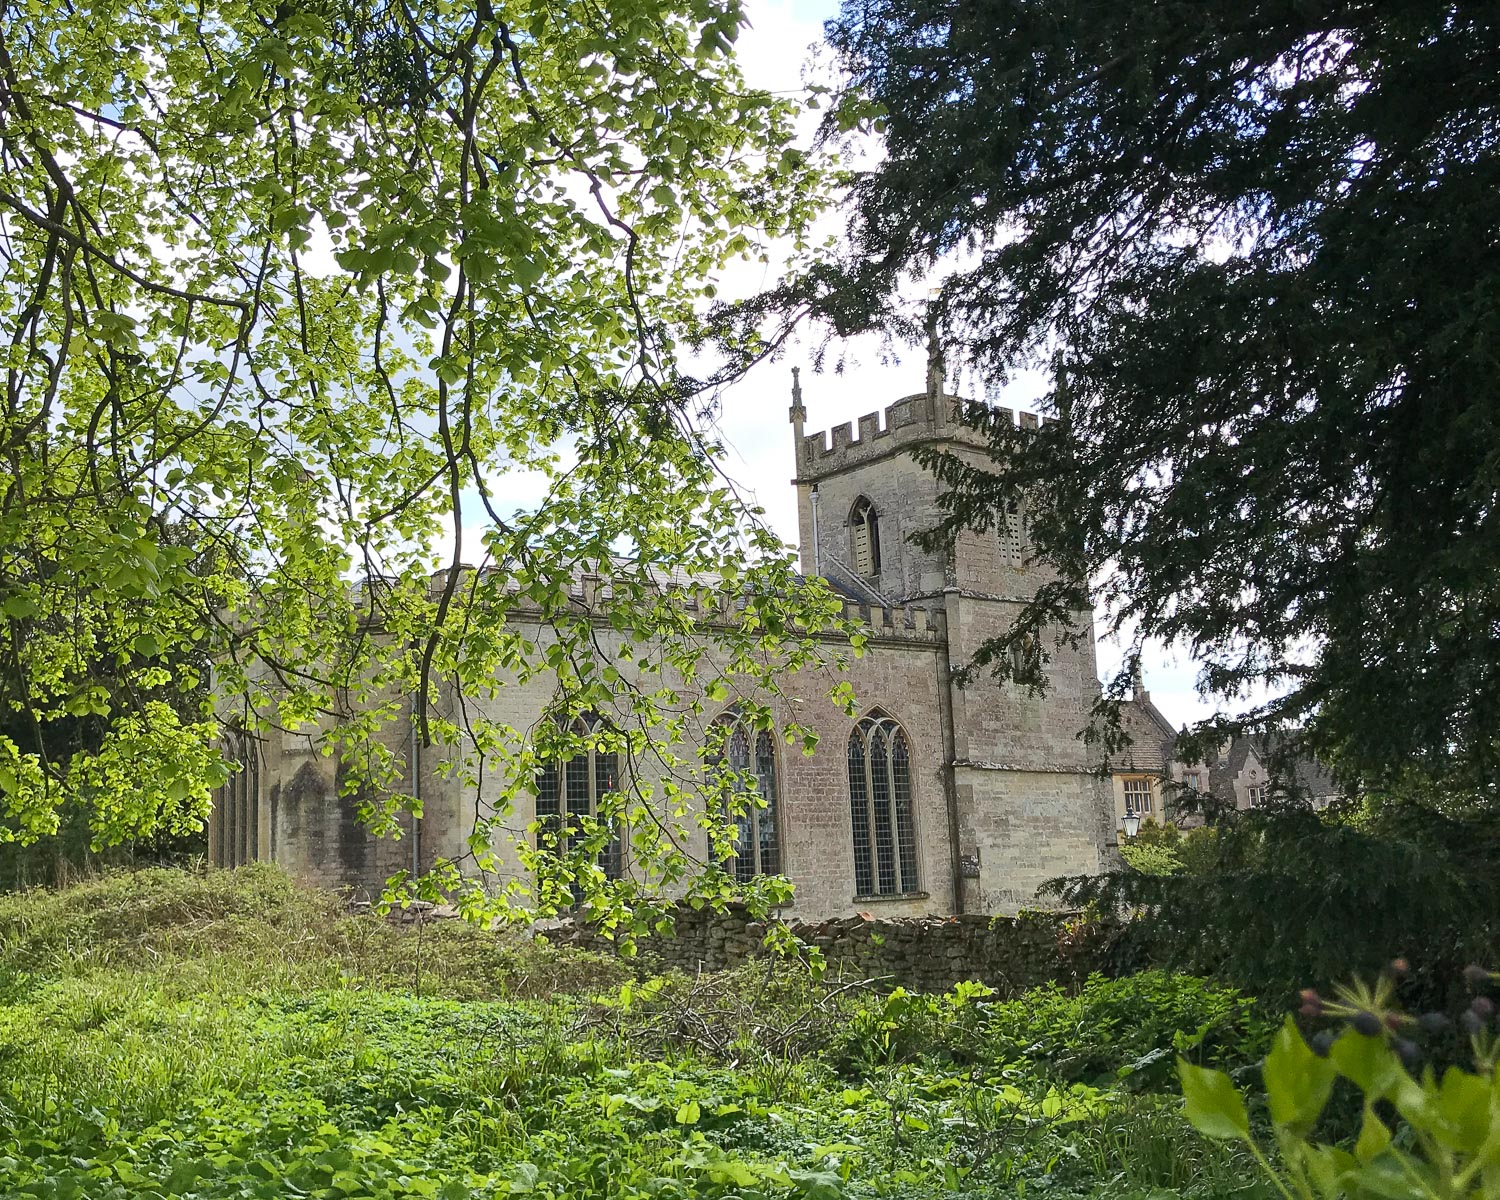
<point>926,954</point>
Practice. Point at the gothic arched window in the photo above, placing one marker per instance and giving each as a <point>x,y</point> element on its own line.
<point>880,807</point>
<point>570,789</point>
<point>235,829</point>
<point>750,755</point>
<point>864,539</point>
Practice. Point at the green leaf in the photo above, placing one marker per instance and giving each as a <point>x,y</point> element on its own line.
<point>1367,1062</point>
<point>1211,1103</point>
<point>689,1113</point>
<point>1297,1081</point>
<point>1374,1137</point>
<point>1463,1114</point>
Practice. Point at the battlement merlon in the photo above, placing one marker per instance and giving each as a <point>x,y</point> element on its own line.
<point>906,422</point>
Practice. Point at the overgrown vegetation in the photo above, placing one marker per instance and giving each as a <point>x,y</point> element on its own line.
<point>231,1035</point>
<point>1276,900</point>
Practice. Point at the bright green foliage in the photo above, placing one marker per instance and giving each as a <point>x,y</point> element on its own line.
<point>1128,1030</point>
<point>1111,1033</point>
<point>1443,1144</point>
<point>1254,239</point>
<point>1167,850</point>
<point>234,1036</point>
<point>902,1027</point>
<point>305,283</point>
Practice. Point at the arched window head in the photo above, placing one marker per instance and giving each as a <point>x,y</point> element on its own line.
<point>568,795</point>
<point>864,539</point>
<point>747,756</point>
<point>881,810</point>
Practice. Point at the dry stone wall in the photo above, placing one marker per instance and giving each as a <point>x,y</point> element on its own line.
<point>928,954</point>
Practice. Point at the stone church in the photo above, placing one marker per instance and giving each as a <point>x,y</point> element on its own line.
<point>935,800</point>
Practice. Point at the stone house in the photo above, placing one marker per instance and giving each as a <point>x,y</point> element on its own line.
<point>936,800</point>
<point>1150,779</point>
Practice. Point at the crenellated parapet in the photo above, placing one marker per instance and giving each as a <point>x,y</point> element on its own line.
<point>908,622</point>
<point>902,423</point>
<point>907,422</point>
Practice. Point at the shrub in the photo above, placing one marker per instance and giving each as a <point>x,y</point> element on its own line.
<point>1287,897</point>
<point>1128,1028</point>
<point>903,1026</point>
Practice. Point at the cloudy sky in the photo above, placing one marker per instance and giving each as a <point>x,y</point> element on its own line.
<point>774,53</point>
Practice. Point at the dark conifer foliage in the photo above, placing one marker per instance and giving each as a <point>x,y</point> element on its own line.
<point>1260,239</point>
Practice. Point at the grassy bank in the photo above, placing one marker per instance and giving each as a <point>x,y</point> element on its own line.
<point>231,1035</point>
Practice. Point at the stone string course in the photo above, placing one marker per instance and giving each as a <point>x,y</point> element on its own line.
<point>926,954</point>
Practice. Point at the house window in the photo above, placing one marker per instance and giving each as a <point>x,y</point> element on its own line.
<point>1012,549</point>
<point>864,539</point>
<point>750,754</point>
<point>1138,797</point>
<point>1256,796</point>
<point>568,792</point>
<point>880,807</point>
<point>1193,781</point>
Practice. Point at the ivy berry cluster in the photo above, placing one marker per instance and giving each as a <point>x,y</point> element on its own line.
<point>1373,1010</point>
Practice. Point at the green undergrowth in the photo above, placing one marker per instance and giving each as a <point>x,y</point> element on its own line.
<point>253,929</point>
<point>231,1035</point>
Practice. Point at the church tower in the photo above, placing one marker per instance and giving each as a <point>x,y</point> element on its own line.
<point>1024,802</point>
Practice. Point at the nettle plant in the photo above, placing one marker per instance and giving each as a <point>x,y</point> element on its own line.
<point>1423,1134</point>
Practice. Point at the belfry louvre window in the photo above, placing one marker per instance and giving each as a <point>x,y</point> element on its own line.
<point>880,808</point>
<point>568,792</point>
<point>864,539</point>
<point>750,754</point>
<point>1012,537</point>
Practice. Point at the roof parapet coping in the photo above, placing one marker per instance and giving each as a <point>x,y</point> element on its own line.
<point>589,592</point>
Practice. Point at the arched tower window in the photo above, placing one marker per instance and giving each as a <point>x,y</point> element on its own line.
<point>570,789</point>
<point>880,807</point>
<point>864,539</point>
<point>750,755</point>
